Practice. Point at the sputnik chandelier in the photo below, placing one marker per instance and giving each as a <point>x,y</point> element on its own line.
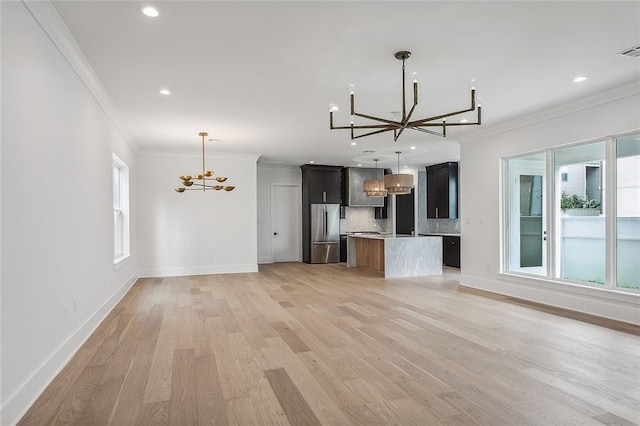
<point>203,181</point>
<point>436,121</point>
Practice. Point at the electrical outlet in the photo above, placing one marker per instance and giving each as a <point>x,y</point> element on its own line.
<point>66,311</point>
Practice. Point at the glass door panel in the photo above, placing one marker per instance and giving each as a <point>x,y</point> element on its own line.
<point>527,248</point>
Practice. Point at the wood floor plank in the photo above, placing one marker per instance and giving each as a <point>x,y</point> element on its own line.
<point>323,344</point>
<point>183,406</point>
<point>295,406</point>
<point>290,337</point>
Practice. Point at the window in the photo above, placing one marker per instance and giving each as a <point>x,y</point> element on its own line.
<point>580,220</point>
<point>561,222</point>
<point>120,210</point>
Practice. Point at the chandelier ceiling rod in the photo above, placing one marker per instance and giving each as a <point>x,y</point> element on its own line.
<point>399,126</point>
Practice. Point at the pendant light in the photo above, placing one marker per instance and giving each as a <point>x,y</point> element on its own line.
<point>399,184</point>
<point>374,187</point>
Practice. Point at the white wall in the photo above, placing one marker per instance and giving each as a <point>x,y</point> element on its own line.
<point>605,114</point>
<point>268,175</point>
<point>57,222</point>
<point>196,232</point>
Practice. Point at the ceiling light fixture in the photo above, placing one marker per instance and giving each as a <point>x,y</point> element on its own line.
<point>150,12</point>
<point>398,184</point>
<point>580,79</point>
<point>405,123</point>
<point>374,187</point>
<point>354,143</point>
<point>165,92</point>
<point>204,177</point>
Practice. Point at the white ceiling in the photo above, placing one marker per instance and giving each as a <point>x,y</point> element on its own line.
<point>259,76</point>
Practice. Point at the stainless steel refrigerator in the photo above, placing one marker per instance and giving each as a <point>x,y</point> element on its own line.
<point>325,233</point>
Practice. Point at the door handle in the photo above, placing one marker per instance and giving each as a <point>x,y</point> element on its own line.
<point>436,212</point>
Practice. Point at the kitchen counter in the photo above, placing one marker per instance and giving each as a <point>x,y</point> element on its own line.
<point>396,255</point>
<point>441,234</point>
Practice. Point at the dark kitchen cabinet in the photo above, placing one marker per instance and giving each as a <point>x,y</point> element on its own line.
<point>451,251</point>
<point>405,213</point>
<point>321,184</point>
<point>383,212</point>
<point>442,191</point>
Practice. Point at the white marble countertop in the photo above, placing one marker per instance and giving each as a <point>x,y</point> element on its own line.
<point>386,236</point>
<point>440,234</point>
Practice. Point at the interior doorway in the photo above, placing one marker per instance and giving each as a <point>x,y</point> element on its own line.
<point>286,234</point>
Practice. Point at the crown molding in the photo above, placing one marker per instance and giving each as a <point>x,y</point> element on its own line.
<point>192,154</point>
<point>52,24</point>
<point>604,97</point>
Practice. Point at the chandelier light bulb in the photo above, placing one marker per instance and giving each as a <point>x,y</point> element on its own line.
<point>351,89</point>
<point>415,77</point>
<point>353,119</point>
<point>333,107</point>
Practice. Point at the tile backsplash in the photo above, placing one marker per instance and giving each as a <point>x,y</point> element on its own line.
<point>363,219</point>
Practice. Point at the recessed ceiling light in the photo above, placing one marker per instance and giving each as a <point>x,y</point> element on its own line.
<point>354,143</point>
<point>464,120</point>
<point>359,165</point>
<point>150,12</point>
<point>580,79</point>
<point>413,147</point>
<point>165,92</point>
<point>311,162</point>
<point>406,167</point>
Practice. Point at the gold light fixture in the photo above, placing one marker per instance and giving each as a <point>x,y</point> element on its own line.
<point>374,187</point>
<point>405,123</point>
<point>398,184</point>
<point>203,181</point>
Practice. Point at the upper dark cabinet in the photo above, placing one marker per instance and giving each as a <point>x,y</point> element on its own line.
<point>321,184</point>
<point>405,217</point>
<point>442,191</point>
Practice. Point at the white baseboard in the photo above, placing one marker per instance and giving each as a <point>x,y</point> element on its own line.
<point>605,304</point>
<point>23,398</point>
<point>265,259</point>
<point>197,270</point>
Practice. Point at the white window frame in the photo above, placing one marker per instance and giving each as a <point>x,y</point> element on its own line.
<point>120,172</point>
<point>552,196</point>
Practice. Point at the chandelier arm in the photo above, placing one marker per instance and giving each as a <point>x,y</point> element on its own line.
<point>382,120</point>
<point>372,126</point>
<point>437,117</point>
<point>427,131</point>
<point>424,121</point>
<point>478,122</point>
<point>373,133</point>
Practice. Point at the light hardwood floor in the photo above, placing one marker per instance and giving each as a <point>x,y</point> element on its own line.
<point>321,344</point>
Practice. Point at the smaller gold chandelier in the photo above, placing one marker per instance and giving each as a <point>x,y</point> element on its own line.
<point>203,181</point>
<point>399,184</point>
<point>374,187</point>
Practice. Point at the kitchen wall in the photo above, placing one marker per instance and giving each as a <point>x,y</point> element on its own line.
<point>58,136</point>
<point>196,232</point>
<point>268,175</point>
<point>603,114</point>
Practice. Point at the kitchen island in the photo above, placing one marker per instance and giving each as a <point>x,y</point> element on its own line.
<point>395,255</point>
